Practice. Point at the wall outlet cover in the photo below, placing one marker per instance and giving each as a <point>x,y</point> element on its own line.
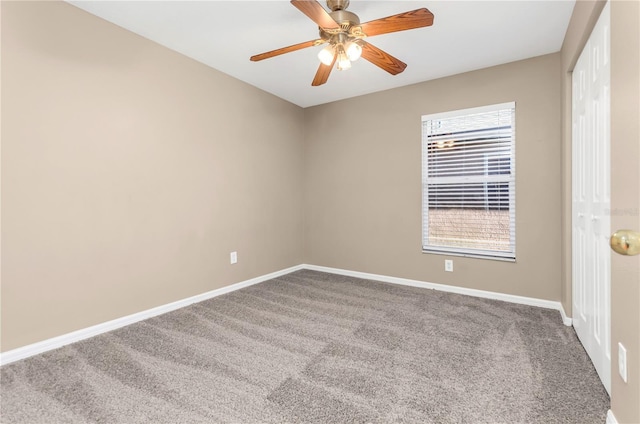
<point>448,265</point>
<point>622,362</point>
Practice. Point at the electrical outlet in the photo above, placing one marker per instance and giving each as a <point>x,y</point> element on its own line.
<point>233,257</point>
<point>622,362</point>
<point>448,265</point>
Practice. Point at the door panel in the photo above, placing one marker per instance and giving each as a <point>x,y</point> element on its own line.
<point>591,199</point>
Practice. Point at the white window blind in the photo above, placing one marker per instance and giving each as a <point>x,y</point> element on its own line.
<point>468,182</point>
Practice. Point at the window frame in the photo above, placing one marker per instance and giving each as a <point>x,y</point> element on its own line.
<point>470,251</point>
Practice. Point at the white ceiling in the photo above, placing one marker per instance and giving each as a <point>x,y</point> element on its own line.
<point>466,35</point>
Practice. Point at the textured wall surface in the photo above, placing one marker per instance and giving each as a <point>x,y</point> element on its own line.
<point>625,204</point>
<point>363,179</point>
<point>129,172</point>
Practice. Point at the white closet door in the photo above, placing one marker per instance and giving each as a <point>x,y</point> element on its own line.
<point>591,199</point>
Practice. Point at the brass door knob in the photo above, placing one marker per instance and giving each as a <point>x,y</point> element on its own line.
<point>625,242</point>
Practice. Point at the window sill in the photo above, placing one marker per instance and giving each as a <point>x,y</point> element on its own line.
<point>470,255</point>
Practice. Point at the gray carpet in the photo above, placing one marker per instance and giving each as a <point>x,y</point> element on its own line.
<point>311,347</point>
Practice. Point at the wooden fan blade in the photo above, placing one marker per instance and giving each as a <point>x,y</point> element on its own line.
<point>408,20</point>
<point>323,73</point>
<point>284,50</point>
<point>316,13</point>
<point>382,59</point>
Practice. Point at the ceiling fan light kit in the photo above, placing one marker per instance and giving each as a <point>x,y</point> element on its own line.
<point>354,50</point>
<point>344,34</point>
<point>326,55</point>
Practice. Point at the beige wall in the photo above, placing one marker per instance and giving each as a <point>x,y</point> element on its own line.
<point>129,173</point>
<point>363,180</point>
<point>625,203</point>
<point>625,183</point>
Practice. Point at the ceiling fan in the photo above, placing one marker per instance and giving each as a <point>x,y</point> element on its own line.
<point>345,36</point>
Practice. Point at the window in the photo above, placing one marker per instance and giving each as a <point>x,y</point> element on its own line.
<point>468,182</point>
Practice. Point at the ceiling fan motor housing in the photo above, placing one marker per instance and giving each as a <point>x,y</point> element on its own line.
<point>344,17</point>
<point>341,16</point>
<point>347,21</point>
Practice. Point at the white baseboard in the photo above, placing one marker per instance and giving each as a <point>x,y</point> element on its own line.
<point>611,419</point>
<point>75,336</point>
<point>85,333</point>
<point>568,321</point>
<point>542,303</point>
